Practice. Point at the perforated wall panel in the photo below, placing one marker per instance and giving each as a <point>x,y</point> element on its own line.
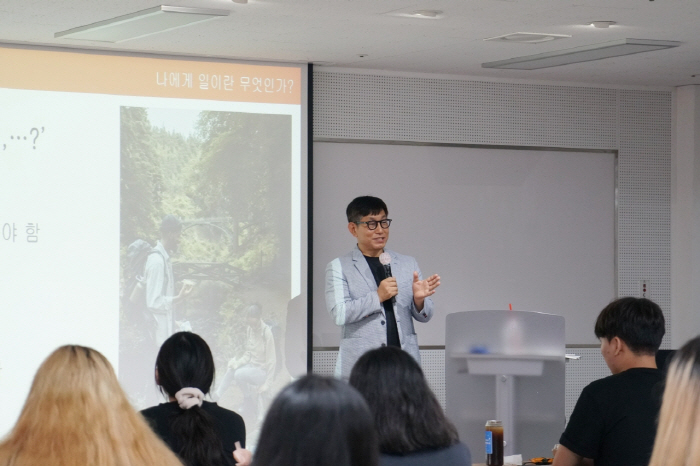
<point>433,365</point>
<point>644,198</point>
<point>581,372</point>
<point>352,106</point>
<point>323,362</point>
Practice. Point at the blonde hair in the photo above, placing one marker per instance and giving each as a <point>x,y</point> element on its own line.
<point>678,434</point>
<point>77,414</point>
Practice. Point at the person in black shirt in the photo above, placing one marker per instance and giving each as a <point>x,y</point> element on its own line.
<point>614,421</point>
<point>199,432</point>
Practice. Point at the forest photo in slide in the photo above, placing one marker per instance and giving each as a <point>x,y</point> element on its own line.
<point>207,194</point>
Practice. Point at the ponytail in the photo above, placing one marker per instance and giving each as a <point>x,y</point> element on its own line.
<point>198,441</point>
<point>186,371</point>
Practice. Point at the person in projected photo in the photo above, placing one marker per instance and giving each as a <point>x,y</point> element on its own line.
<point>159,280</point>
<point>375,308</point>
<point>147,302</point>
<point>199,432</point>
<point>254,370</point>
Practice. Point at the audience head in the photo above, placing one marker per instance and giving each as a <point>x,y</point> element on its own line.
<point>184,360</point>
<point>407,415</point>
<point>678,433</point>
<point>77,413</point>
<point>363,206</point>
<point>317,421</point>
<point>638,322</point>
<point>185,372</point>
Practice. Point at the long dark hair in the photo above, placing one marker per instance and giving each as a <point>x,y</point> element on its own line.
<point>185,360</point>
<point>317,421</point>
<point>407,415</point>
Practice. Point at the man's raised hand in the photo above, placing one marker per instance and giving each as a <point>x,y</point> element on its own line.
<point>424,288</point>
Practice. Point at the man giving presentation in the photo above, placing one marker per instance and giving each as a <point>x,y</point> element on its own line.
<point>374,293</point>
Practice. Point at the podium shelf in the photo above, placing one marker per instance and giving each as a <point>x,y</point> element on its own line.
<point>505,364</point>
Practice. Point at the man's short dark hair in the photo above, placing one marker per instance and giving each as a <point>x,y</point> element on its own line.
<point>365,205</point>
<point>170,224</point>
<point>638,322</point>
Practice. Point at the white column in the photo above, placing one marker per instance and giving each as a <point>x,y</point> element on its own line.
<point>685,216</point>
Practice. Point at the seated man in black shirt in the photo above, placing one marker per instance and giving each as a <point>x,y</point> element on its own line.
<point>614,421</point>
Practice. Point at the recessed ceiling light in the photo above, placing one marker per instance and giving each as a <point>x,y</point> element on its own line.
<point>528,37</point>
<point>429,14</point>
<point>602,24</point>
<point>416,14</point>
<point>615,48</point>
<point>141,23</point>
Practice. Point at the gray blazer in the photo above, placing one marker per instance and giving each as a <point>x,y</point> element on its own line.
<point>352,300</point>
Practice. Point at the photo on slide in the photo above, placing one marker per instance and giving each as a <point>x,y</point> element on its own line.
<point>205,246</point>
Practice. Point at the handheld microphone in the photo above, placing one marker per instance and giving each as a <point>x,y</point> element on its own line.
<point>385,260</point>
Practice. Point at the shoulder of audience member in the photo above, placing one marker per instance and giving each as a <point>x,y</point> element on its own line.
<point>222,413</point>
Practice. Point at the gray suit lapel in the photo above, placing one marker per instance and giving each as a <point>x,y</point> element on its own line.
<point>396,265</point>
<point>363,268</point>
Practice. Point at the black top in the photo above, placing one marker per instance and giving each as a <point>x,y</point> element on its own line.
<point>392,332</point>
<point>228,424</point>
<point>614,421</point>
<point>456,455</point>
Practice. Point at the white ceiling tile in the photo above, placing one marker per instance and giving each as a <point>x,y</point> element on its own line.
<point>338,30</point>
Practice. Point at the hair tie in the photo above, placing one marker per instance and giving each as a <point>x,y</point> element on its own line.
<point>188,397</point>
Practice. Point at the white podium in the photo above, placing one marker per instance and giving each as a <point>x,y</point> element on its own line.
<point>506,365</point>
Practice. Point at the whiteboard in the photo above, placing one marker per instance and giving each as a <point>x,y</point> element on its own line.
<point>531,228</point>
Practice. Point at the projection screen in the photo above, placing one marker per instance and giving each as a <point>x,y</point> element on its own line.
<point>141,196</point>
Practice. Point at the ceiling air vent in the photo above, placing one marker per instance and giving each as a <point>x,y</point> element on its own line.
<point>528,37</point>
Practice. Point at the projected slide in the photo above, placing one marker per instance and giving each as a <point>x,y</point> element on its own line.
<point>144,196</point>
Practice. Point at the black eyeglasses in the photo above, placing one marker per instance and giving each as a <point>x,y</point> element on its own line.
<point>372,224</point>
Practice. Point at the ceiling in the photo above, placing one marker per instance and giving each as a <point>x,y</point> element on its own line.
<point>336,32</point>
